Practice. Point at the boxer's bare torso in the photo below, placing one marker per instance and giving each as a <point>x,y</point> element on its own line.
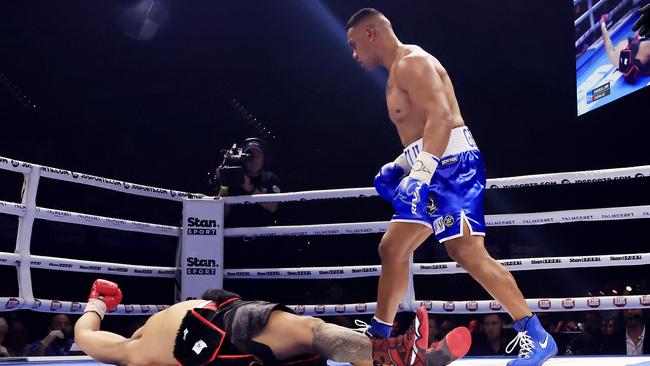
<point>408,118</point>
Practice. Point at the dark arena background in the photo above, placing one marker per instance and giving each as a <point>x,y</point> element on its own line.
<point>153,97</point>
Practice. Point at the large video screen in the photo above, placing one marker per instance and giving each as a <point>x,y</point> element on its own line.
<point>611,59</point>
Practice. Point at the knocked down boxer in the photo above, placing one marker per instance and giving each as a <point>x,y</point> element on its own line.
<point>223,329</point>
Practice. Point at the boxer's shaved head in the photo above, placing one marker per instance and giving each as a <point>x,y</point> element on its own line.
<point>369,33</point>
<point>363,15</point>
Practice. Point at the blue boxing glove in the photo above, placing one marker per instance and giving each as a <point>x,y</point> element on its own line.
<point>412,194</point>
<point>387,180</point>
<point>389,177</point>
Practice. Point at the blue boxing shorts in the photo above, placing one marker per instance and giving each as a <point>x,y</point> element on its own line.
<point>456,189</point>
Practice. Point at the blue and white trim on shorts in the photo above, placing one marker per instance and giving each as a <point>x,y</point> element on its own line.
<point>438,226</point>
<point>455,191</point>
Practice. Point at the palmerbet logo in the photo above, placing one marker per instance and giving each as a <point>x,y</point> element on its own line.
<point>201,266</point>
<point>197,226</point>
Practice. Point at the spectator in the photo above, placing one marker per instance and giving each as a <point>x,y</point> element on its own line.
<point>17,338</point>
<point>589,342</point>
<point>545,320</point>
<point>632,340</point>
<point>254,180</point>
<point>434,329</point>
<point>492,340</point>
<point>564,326</point>
<point>612,326</point>
<point>445,327</point>
<point>474,327</point>
<point>4,328</point>
<point>59,339</point>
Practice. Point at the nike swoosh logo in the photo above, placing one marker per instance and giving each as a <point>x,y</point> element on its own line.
<point>545,343</point>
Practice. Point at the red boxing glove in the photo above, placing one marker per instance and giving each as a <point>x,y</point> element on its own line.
<point>107,291</point>
<point>104,295</point>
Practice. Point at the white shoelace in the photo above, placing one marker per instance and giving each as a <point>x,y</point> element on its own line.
<point>363,326</point>
<point>526,344</point>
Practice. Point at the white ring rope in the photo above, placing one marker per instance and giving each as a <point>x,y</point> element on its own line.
<point>11,208</point>
<point>488,306</point>
<point>302,230</point>
<point>9,259</point>
<point>73,307</point>
<point>539,218</point>
<point>522,264</point>
<point>91,180</point>
<point>588,176</point>
<point>556,217</point>
<point>28,212</point>
<point>75,265</point>
<point>106,222</point>
<point>90,220</point>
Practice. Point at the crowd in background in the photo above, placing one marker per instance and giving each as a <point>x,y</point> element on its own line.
<point>577,333</point>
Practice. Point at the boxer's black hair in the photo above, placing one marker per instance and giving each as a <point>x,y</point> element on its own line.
<point>361,15</point>
<point>218,295</point>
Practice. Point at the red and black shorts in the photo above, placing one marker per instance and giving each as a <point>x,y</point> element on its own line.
<point>223,336</point>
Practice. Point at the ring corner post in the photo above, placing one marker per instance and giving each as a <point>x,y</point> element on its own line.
<point>201,247</point>
<point>24,235</point>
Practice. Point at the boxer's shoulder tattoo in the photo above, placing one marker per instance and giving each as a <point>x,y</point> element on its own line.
<point>341,344</point>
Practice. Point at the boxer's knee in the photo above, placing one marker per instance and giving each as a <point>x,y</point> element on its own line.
<point>392,250</point>
<point>469,252</point>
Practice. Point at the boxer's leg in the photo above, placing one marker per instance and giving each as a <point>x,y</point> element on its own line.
<point>536,344</point>
<point>396,246</point>
<point>470,253</point>
<point>289,335</point>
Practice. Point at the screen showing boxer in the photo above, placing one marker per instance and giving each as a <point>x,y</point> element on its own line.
<point>612,60</point>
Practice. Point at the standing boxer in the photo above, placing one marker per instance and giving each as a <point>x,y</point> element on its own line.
<point>443,193</point>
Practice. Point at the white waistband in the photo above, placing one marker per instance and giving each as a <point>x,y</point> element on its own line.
<point>460,140</point>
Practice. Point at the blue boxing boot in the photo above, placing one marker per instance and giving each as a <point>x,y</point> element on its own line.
<point>536,345</point>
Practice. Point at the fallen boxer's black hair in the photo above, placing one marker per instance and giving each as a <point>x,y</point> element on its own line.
<point>218,295</point>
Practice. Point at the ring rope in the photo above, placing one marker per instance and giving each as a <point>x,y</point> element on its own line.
<point>30,211</point>
<point>587,176</point>
<point>539,218</point>
<point>594,24</point>
<point>9,259</point>
<point>74,265</point>
<point>73,307</point>
<point>91,180</point>
<point>521,264</point>
<point>12,208</point>
<point>487,306</point>
<point>90,220</point>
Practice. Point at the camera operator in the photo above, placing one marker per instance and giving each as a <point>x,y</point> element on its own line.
<point>242,173</point>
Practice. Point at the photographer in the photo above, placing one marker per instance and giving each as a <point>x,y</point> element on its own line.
<point>242,173</point>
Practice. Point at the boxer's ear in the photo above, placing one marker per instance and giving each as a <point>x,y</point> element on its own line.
<point>370,32</point>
